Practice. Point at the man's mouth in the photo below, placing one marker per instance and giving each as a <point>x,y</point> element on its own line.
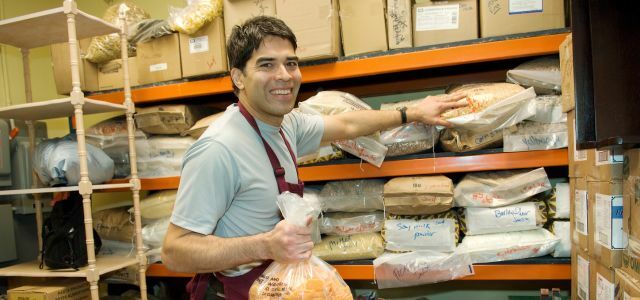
<point>281,91</point>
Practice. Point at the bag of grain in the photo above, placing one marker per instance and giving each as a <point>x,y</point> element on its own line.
<point>562,230</point>
<point>460,140</point>
<point>504,246</point>
<point>515,217</point>
<point>345,223</point>
<point>360,195</point>
<point>350,247</point>
<point>324,153</point>
<point>418,195</point>
<point>439,232</point>
<point>157,205</point>
<point>529,136</point>
<point>543,74</point>
<point>549,110</point>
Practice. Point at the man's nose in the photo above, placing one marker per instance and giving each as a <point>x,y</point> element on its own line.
<point>283,73</point>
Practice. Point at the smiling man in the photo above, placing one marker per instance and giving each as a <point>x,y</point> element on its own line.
<point>225,219</point>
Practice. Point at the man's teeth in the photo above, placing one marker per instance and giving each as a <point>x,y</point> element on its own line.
<point>281,92</point>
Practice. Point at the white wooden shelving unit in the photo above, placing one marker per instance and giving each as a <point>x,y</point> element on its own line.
<point>68,24</point>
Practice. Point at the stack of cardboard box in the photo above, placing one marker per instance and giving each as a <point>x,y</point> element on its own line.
<point>604,183</point>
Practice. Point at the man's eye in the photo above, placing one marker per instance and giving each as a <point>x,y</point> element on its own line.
<point>292,64</point>
<point>266,65</point>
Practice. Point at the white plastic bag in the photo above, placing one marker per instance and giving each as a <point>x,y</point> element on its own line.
<point>559,201</point>
<point>420,267</point>
<point>436,233</point>
<point>344,223</point>
<point>496,247</point>
<point>529,135</point>
<point>500,188</point>
<point>515,217</point>
<point>157,205</point>
<point>360,195</point>
<point>163,157</point>
<point>543,74</point>
<point>309,279</point>
<point>562,230</point>
<point>499,115</point>
<point>549,110</point>
<point>196,14</point>
<point>153,233</point>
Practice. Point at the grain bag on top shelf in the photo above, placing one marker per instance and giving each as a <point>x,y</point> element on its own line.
<point>543,74</point>
<point>504,246</point>
<point>345,223</point>
<point>201,125</point>
<point>492,106</point>
<point>499,188</point>
<point>514,217</point>
<point>408,138</point>
<point>169,119</point>
<point>367,148</point>
<point>418,195</point>
<point>361,195</point>
<point>439,232</point>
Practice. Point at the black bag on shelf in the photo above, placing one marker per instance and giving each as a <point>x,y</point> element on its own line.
<point>63,235</point>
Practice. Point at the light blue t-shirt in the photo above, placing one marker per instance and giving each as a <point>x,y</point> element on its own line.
<point>227,185</point>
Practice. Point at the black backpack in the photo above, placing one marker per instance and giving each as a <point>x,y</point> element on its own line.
<point>63,235</point>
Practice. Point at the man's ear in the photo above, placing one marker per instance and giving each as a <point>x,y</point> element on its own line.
<point>237,77</point>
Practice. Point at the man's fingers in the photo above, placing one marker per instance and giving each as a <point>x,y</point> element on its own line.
<point>443,122</point>
<point>452,97</point>
<point>457,104</point>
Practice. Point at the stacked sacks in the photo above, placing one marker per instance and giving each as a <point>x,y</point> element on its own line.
<point>558,203</point>
<point>498,224</point>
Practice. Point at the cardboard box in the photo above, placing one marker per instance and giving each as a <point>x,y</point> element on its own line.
<point>363,26</point>
<point>579,214</point>
<point>566,70</point>
<point>62,68</point>
<point>399,24</point>
<point>631,194</point>
<point>316,25</point>
<point>607,164</point>
<point>169,119</point>
<point>631,263</point>
<point>602,281</point>
<point>159,59</point>
<point>204,52</point>
<point>606,238</point>
<point>111,74</point>
<point>580,274</point>
<point>627,285</point>
<point>56,289</point>
<point>502,17</point>
<point>439,22</point>
<point>238,11</point>
<point>579,160</point>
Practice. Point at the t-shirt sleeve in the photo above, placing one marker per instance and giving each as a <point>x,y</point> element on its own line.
<point>309,131</point>
<point>208,182</point>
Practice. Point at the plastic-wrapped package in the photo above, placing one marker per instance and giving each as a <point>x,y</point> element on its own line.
<point>308,279</point>
<point>360,195</point>
<point>562,230</point>
<point>324,153</point>
<point>201,125</point>
<point>530,135</point>
<point>496,247</point>
<point>118,248</point>
<point>439,232</point>
<point>168,119</point>
<point>408,138</point>
<point>344,223</point>
<point>549,110</point>
<point>114,224</point>
<point>157,205</point>
<point>196,14</point>
<point>57,163</point>
<point>480,96</point>
<point>420,267</point>
<point>498,115</point>
<point>499,188</point>
<point>350,247</point>
<point>148,29</point>
<point>543,74</point>
<point>558,201</point>
<point>460,140</point>
<point>514,217</point>
<point>163,156</point>
<point>111,136</point>
<point>107,47</point>
<point>418,195</point>
<point>367,148</point>
<point>154,232</point>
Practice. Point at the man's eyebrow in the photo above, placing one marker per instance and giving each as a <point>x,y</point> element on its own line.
<point>292,58</point>
<point>264,59</point>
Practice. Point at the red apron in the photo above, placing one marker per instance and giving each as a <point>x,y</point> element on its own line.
<point>238,287</point>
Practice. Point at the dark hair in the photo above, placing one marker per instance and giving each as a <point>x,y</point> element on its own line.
<point>247,37</point>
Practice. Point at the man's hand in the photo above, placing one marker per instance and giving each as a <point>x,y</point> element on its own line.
<point>288,243</point>
<point>429,111</point>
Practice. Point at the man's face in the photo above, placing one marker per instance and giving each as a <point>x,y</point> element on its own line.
<point>270,82</point>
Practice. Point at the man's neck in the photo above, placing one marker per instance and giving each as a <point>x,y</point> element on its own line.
<point>271,120</point>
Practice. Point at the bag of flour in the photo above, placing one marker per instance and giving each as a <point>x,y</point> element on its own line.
<point>439,232</point>
<point>514,217</point>
<point>504,246</point>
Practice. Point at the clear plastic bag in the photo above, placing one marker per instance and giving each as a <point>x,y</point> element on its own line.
<point>496,247</point>
<point>309,279</point>
<point>543,74</point>
<point>350,247</point>
<point>163,157</point>
<point>549,110</point>
<point>157,205</point>
<point>529,136</point>
<point>196,14</point>
<point>154,232</point>
<point>420,267</point>
<point>562,230</point>
<point>514,217</point>
<point>344,223</point>
<point>148,29</point>
<point>409,138</point>
<point>57,163</point>
<point>439,232</point>
<point>360,195</point>
<point>107,47</point>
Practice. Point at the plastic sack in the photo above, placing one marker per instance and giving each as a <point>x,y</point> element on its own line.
<point>408,138</point>
<point>529,135</point>
<point>500,188</point>
<point>361,195</point>
<point>439,232</point>
<point>562,230</point>
<point>114,224</point>
<point>163,157</point>
<point>418,195</point>
<point>148,29</point>
<point>558,201</point>
<point>543,74</point>
<point>500,114</point>
<point>324,153</point>
<point>350,247</point>
<point>154,232</point>
<point>308,279</point>
<point>496,247</point>
<point>460,140</point>
<point>549,110</point>
<point>118,248</point>
<point>367,148</point>
<point>480,96</point>
<point>157,205</point>
<point>344,223</point>
<point>168,119</point>
<point>515,217</point>
<point>420,267</point>
<point>201,125</point>
<point>196,14</point>
<point>57,163</point>
<point>107,47</point>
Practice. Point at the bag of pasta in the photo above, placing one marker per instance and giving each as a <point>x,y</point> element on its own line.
<point>196,14</point>
<point>309,279</point>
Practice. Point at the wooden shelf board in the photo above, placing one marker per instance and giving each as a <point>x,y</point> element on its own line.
<point>49,27</point>
<point>56,108</point>
<point>95,187</point>
<point>439,165</point>
<point>482,272</point>
<point>104,264</point>
<point>154,184</point>
<point>348,67</point>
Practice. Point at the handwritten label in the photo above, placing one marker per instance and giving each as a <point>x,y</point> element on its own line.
<point>521,216</point>
<point>437,17</point>
<point>400,20</point>
<point>428,234</point>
